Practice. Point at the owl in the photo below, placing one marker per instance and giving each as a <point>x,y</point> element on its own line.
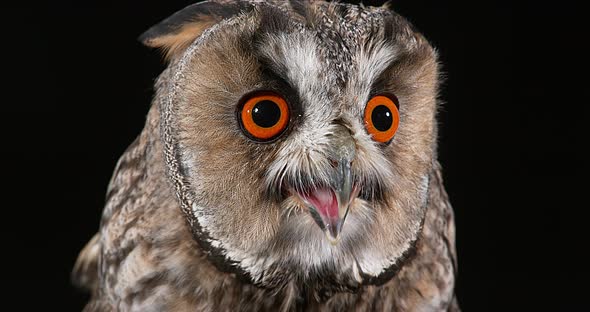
<point>288,163</point>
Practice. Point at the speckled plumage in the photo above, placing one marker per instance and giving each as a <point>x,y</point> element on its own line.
<point>198,217</point>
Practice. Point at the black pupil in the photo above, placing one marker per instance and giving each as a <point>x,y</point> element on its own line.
<point>382,118</point>
<point>266,114</point>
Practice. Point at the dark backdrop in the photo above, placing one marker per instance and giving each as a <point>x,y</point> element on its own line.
<point>79,86</point>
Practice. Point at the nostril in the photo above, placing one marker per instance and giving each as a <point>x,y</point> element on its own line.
<point>333,163</point>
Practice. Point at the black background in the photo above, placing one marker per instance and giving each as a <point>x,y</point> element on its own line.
<point>78,87</point>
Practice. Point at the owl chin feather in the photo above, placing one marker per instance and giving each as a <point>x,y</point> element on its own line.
<point>312,259</point>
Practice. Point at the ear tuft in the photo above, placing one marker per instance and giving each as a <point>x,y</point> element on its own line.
<point>174,34</point>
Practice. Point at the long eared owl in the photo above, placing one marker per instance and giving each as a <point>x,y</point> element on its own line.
<point>288,163</point>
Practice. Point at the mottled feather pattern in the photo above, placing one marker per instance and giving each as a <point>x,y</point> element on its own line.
<point>197,217</point>
<point>168,271</point>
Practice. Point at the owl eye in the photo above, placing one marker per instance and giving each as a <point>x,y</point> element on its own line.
<point>264,115</point>
<point>382,117</point>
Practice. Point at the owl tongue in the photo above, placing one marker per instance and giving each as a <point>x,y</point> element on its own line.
<point>324,200</point>
<point>325,206</point>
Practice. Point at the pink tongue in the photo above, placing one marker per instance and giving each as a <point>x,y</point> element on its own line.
<point>324,201</point>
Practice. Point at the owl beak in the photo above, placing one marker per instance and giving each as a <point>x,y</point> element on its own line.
<point>345,193</point>
<point>329,205</point>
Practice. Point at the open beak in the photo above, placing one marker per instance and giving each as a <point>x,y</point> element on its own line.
<point>329,205</point>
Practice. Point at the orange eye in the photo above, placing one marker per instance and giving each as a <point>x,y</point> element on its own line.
<point>264,115</point>
<point>382,118</point>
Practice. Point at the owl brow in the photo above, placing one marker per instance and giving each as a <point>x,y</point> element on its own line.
<point>381,84</point>
<point>389,24</point>
<point>271,70</point>
<point>272,22</point>
<point>274,77</point>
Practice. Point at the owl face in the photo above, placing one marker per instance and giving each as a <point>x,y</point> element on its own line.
<point>298,136</point>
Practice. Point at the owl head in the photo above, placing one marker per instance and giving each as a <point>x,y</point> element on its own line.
<point>299,136</point>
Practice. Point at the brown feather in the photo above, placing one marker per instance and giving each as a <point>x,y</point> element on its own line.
<point>85,272</point>
<point>175,43</point>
